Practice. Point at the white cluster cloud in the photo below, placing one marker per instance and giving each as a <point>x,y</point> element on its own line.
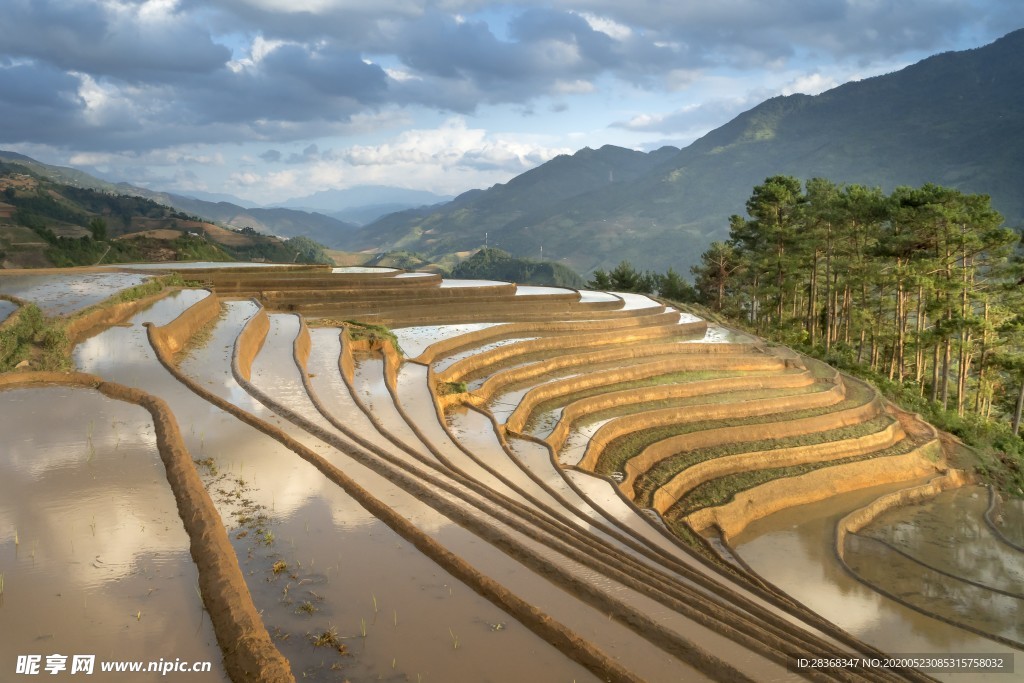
<point>445,159</point>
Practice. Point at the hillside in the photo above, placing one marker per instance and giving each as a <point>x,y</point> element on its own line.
<point>274,221</point>
<point>953,119</point>
<point>48,223</point>
<point>277,221</point>
<point>484,216</point>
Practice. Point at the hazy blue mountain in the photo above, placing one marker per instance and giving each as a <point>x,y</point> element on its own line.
<point>480,216</point>
<point>955,119</point>
<point>282,222</point>
<point>332,201</point>
<point>220,197</point>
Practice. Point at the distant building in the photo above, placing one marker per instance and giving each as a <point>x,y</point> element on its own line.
<point>6,210</point>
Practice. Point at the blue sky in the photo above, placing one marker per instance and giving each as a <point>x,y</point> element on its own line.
<point>273,99</point>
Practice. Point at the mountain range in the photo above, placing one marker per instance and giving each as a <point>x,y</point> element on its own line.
<point>955,119</point>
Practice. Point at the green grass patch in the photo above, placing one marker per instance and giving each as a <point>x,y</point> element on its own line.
<point>33,335</point>
<point>724,489</point>
<point>619,450</point>
<point>450,388</point>
<point>359,331</point>
<point>656,477</point>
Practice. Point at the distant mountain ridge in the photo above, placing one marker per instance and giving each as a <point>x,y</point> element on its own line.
<point>275,221</point>
<point>955,119</point>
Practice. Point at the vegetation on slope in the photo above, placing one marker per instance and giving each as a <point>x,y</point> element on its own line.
<point>917,291</point>
<point>79,226</point>
<point>495,264</point>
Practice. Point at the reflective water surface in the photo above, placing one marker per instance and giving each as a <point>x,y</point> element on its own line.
<point>92,552</point>
<point>61,294</point>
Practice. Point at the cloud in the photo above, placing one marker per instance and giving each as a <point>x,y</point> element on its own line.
<point>132,41</point>
<point>135,76</point>
<point>689,121</point>
<point>445,159</point>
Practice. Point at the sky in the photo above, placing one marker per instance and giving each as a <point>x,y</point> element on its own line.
<point>268,100</point>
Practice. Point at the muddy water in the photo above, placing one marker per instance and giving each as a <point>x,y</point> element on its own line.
<point>794,549</point>
<point>331,389</point>
<point>6,308</point>
<point>950,534</point>
<point>415,340</point>
<point>716,334</point>
<point>93,554</point>
<point>470,547</point>
<point>63,294</point>
<point>371,389</point>
<point>943,540</point>
<point>125,350</point>
<point>1012,524</point>
<point>431,650</point>
<point>418,404</point>
<point>576,443</point>
<point>342,557</point>
<point>474,431</point>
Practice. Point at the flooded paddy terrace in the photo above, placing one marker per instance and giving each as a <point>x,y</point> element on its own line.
<point>391,526</point>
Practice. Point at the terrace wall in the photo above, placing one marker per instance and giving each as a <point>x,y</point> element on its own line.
<point>679,363</point>
<point>576,410</point>
<point>779,494</point>
<point>695,475</point>
<point>705,412</point>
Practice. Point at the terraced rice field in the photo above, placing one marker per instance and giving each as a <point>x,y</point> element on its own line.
<point>529,484</point>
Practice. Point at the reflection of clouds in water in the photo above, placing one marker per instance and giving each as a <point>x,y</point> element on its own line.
<point>415,340</point>
<point>60,294</point>
<point>90,485</point>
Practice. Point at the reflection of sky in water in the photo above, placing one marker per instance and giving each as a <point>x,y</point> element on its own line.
<point>448,361</point>
<point>62,294</point>
<point>589,296</point>
<point>192,265</point>
<point>415,340</point>
<point>471,283</point>
<point>578,440</point>
<point>633,301</point>
<point>533,290</point>
<point>101,557</point>
<point>794,550</point>
<point>6,308</point>
<point>362,269</point>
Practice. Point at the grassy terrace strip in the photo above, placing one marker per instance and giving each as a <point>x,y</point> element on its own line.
<point>648,482</point>
<point>711,398</point>
<point>621,449</point>
<point>670,378</point>
<point>447,347</point>
<point>819,396</point>
<point>531,365</point>
<point>605,380</point>
<point>565,343</point>
<point>724,489</point>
